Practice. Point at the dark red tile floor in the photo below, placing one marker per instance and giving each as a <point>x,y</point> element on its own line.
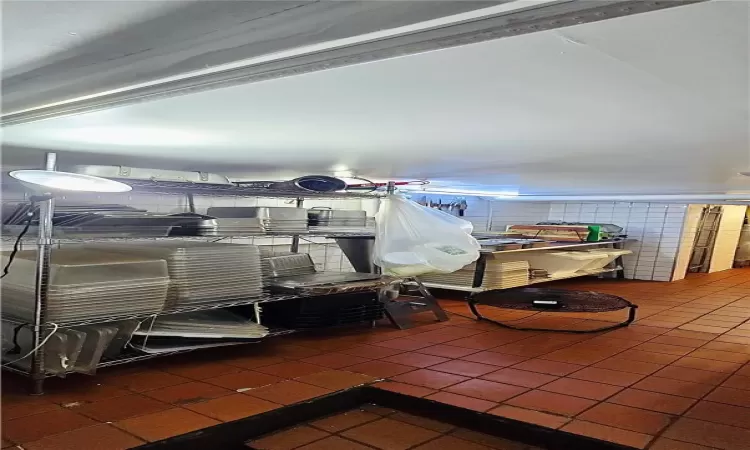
<point>362,429</point>
<point>678,379</point>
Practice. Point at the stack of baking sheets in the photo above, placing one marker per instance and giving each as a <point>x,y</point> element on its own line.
<point>497,275</point>
<point>287,265</point>
<point>203,272</point>
<point>94,219</point>
<point>273,219</point>
<point>328,283</point>
<point>220,227</point>
<point>295,273</point>
<point>340,221</point>
<point>86,284</point>
<point>195,330</point>
<point>559,233</point>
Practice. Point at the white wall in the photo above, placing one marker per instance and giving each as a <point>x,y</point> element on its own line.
<point>520,213</point>
<point>727,237</point>
<point>478,211</point>
<point>658,251</point>
<point>495,215</point>
<point>655,226</point>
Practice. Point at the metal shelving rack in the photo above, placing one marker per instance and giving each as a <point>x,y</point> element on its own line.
<point>481,265</point>
<point>45,242</point>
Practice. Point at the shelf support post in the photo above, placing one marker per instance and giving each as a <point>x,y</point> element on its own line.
<point>295,238</point>
<point>44,249</point>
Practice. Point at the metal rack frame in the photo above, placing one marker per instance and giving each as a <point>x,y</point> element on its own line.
<point>44,244</point>
<point>481,264</point>
<point>231,190</point>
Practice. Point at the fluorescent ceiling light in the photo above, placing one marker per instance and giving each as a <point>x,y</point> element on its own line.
<point>342,171</point>
<point>45,181</point>
<point>478,193</point>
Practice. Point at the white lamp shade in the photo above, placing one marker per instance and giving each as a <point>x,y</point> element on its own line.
<point>51,181</point>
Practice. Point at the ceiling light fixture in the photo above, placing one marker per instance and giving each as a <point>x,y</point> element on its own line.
<point>342,171</point>
<point>46,181</point>
<point>478,193</point>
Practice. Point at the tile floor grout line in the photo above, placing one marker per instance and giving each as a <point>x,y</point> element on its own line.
<point>697,401</point>
<point>145,441</point>
<point>504,402</point>
<point>687,303</point>
<point>673,417</point>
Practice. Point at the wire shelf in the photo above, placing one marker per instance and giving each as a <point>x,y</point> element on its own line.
<point>97,234</point>
<point>268,298</point>
<point>158,230</point>
<point>132,356</point>
<point>170,187</point>
<point>167,311</point>
<point>580,273</point>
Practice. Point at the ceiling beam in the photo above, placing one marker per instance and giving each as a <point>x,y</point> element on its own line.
<point>191,37</point>
<point>540,16</point>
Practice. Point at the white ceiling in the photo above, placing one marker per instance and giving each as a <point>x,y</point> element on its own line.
<point>33,31</point>
<point>120,43</point>
<point>655,102</point>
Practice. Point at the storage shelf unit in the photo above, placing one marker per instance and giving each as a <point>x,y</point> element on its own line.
<point>167,311</point>
<point>481,265</point>
<point>559,246</point>
<point>128,358</point>
<point>581,273</point>
<point>169,187</point>
<point>45,240</point>
<point>97,234</point>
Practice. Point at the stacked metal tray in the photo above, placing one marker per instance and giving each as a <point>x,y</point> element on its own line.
<point>219,227</point>
<point>86,284</point>
<point>216,324</point>
<point>272,219</point>
<point>203,272</point>
<point>287,265</point>
<point>295,273</point>
<point>497,275</point>
<point>195,330</point>
<point>322,279</point>
<point>326,217</point>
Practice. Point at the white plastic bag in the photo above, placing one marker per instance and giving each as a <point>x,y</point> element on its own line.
<point>411,239</point>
